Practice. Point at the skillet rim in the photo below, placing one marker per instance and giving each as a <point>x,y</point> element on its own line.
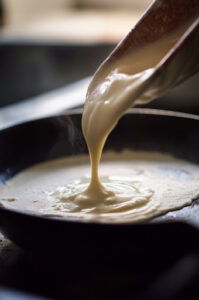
<point>61,219</point>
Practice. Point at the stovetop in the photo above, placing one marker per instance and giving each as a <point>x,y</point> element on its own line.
<point>51,277</point>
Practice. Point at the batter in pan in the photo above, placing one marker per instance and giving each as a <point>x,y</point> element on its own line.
<point>132,186</point>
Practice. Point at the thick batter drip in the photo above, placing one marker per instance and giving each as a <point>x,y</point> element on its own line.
<point>114,89</point>
<point>120,194</point>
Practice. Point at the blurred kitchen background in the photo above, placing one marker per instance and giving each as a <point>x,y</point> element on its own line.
<point>50,48</point>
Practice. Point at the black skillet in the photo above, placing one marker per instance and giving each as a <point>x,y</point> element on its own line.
<point>141,129</point>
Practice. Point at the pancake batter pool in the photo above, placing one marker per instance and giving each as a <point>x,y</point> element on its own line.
<point>150,184</point>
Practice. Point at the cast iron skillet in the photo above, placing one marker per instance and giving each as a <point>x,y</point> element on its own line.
<point>40,140</point>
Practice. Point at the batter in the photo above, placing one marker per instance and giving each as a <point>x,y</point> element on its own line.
<point>136,195</point>
<point>114,88</point>
<point>149,184</point>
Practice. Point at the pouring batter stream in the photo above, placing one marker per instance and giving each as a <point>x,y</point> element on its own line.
<point>115,88</point>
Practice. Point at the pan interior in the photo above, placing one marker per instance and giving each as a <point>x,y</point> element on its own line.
<point>170,184</point>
